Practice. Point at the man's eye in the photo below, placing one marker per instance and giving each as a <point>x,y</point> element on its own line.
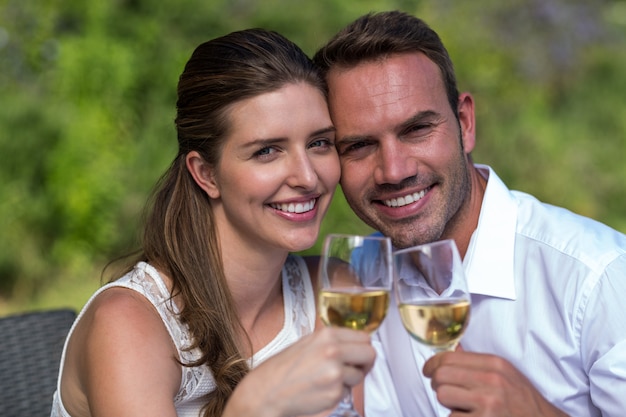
<point>420,128</point>
<point>358,145</point>
<point>352,147</point>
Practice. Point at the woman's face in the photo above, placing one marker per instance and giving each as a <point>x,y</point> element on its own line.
<point>278,170</point>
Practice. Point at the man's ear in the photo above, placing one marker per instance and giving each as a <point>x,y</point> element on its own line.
<point>202,173</point>
<point>467,121</point>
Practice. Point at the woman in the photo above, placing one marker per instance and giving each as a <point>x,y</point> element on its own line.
<point>215,291</point>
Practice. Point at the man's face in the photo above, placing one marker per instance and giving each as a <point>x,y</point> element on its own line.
<point>404,157</point>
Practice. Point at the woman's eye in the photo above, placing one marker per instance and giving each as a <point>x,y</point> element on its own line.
<point>266,151</point>
<point>321,143</point>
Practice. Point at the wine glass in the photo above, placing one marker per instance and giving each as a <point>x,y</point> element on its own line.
<point>355,279</point>
<point>432,295</point>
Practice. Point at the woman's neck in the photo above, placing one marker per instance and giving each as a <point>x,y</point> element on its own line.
<point>255,282</point>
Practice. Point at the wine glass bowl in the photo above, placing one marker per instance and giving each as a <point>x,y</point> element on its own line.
<point>353,308</point>
<point>432,294</point>
<point>355,279</point>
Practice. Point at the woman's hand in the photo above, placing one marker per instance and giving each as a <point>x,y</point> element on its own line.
<point>308,377</point>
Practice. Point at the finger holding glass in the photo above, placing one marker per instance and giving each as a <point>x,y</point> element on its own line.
<point>354,284</point>
<point>432,293</point>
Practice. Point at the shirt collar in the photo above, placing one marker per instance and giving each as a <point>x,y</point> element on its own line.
<point>489,260</point>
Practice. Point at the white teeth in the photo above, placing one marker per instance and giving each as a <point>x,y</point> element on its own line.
<point>407,199</point>
<point>295,208</point>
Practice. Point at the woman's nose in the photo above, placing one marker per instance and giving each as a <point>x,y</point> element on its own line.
<point>302,173</point>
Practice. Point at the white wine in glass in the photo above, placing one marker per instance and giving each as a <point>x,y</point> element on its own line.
<point>355,279</point>
<point>358,309</point>
<point>432,293</point>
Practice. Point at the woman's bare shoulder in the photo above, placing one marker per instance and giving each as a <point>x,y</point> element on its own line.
<point>118,349</point>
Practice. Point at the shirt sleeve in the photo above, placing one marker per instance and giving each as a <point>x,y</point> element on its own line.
<point>603,340</point>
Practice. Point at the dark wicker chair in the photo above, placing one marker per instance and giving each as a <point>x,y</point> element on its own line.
<point>30,352</point>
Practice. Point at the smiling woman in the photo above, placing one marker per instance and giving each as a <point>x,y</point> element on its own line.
<point>285,137</point>
<point>191,328</point>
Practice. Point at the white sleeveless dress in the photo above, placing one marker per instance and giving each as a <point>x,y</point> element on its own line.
<point>196,382</point>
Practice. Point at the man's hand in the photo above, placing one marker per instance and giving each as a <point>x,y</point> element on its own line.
<point>475,384</point>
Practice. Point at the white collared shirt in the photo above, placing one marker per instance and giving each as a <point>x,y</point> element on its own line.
<point>548,294</point>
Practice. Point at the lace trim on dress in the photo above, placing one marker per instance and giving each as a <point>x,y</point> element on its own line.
<point>299,282</point>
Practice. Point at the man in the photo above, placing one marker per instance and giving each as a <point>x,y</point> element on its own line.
<point>547,334</point>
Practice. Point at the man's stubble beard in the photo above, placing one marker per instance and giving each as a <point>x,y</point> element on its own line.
<point>408,232</point>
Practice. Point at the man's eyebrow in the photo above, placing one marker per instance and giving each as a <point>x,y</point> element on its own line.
<point>419,117</point>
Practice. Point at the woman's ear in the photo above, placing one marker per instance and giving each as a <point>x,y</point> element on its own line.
<point>202,173</point>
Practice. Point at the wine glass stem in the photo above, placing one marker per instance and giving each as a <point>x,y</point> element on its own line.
<point>346,402</point>
<point>451,348</point>
<point>345,408</point>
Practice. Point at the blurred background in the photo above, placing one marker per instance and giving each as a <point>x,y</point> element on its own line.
<point>87,103</point>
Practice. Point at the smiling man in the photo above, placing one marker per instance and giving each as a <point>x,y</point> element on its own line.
<point>545,336</point>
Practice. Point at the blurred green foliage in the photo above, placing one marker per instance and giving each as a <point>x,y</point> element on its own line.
<point>88,93</point>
